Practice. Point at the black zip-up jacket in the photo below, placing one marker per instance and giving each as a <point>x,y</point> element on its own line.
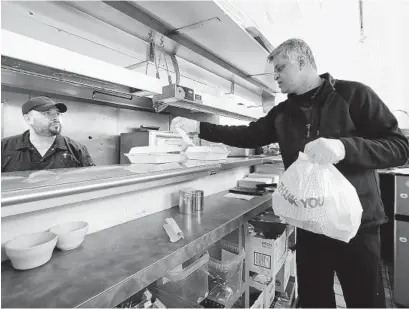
<point>345,110</point>
<point>18,154</point>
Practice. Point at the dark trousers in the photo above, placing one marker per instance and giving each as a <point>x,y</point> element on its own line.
<point>357,265</point>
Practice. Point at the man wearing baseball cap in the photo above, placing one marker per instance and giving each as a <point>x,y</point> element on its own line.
<point>42,146</point>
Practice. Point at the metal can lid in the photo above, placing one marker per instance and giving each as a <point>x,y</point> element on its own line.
<point>198,193</point>
<point>186,191</point>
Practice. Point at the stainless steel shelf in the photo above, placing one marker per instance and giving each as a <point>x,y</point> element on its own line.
<point>114,264</point>
<point>197,107</point>
<point>200,46</point>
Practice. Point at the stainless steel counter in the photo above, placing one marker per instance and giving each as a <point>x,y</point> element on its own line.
<point>233,162</point>
<point>115,263</point>
<point>22,188</point>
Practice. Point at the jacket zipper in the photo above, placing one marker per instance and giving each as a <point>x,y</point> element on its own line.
<point>308,126</point>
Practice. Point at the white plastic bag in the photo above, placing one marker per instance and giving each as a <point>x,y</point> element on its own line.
<point>318,198</point>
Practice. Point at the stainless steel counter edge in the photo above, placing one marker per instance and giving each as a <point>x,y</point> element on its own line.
<point>12,198</point>
<point>234,162</point>
<point>24,196</point>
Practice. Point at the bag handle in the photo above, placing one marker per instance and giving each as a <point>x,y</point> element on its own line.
<point>303,156</point>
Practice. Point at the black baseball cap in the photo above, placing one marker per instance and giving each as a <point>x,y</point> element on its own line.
<point>42,104</point>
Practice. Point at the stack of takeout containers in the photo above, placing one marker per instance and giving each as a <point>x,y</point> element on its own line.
<point>214,152</point>
<point>155,154</point>
<point>172,153</point>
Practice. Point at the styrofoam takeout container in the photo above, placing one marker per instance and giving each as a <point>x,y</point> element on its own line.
<point>154,158</point>
<point>162,149</point>
<point>155,154</point>
<point>214,152</point>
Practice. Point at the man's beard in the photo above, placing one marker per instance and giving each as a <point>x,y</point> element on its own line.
<point>52,130</point>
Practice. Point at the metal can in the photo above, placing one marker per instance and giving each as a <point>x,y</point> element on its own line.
<point>198,197</point>
<point>186,201</point>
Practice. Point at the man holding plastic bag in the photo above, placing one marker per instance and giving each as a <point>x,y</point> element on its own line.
<point>318,198</point>
<point>344,132</point>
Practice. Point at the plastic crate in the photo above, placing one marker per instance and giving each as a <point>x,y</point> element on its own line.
<point>190,283</point>
<point>226,273</point>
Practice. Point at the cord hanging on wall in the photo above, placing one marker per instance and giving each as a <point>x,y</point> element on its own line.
<point>157,61</point>
<point>167,70</point>
<point>361,21</point>
<point>150,54</point>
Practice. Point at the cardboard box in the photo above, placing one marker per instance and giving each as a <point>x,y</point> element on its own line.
<point>266,256</point>
<point>283,275</point>
<point>268,290</point>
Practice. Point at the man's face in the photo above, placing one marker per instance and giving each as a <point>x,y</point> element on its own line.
<point>287,73</point>
<point>47,123</point>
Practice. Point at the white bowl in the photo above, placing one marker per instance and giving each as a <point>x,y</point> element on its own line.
<point>70,234</point>
<point>31,251</point>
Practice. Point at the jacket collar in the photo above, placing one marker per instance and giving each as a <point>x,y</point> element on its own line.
<point>329,78</point>
<point>24,142</point>
<point>328,87</point>
<point>330,83</point>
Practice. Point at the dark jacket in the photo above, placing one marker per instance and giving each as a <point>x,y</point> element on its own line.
<point>18,154</point>
<point>349,111</point>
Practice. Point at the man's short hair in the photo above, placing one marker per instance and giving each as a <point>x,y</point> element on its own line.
<point>293,48</point>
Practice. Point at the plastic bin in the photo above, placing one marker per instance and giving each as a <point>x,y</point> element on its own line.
<point>225,272</point>
<point>190,283</point>
<point>167,299</point>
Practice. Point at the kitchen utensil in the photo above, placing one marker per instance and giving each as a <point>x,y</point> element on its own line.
<point>248,191</point>
<point>198,200</point>
<point>186,200</point>
<point>144,128</point>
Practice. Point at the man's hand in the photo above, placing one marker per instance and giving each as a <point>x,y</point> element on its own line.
<point>325,150</point>
<point>187,125</point>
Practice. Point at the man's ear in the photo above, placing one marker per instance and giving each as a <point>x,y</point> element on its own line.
<point>28,118</point>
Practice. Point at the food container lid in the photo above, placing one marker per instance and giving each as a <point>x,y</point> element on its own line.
<point>199,149</point>
<point>155,149</point>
